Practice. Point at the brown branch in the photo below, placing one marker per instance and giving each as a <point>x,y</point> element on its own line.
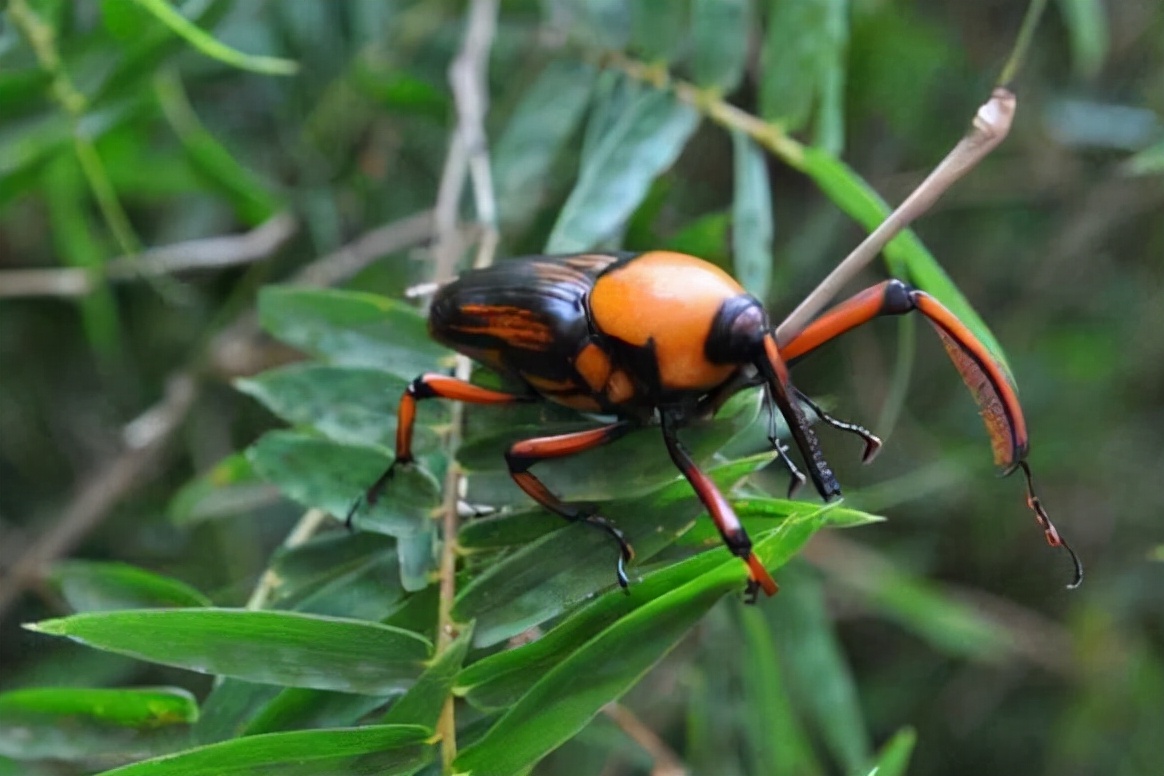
<point>467,158</point>
<point>193,255</point>
<point>665,761</point>
<point>146,439</point>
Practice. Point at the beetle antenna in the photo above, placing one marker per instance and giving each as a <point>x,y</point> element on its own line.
<point>796,479</point>
<point>872,441</point>
<point>1049,530</point>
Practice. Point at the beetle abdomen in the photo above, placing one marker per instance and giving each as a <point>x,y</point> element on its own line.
<point>524,318</point>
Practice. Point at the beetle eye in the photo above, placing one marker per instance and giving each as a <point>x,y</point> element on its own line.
<point>737,333</point>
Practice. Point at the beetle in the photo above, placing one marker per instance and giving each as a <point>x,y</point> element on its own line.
<point>664,337</point>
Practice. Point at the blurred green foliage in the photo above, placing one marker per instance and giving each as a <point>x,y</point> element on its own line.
<point>309,134</point>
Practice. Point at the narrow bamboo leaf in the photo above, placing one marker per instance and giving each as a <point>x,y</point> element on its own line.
<point>804,40</point>
<point>328,476</point>
<point>423,702</point>
<point>545,119</point>
<point>230,707</point>
<point>893,759</point>
<point>905,255</point>
<point>353,329</point>
<point>562,569</point>
<point>253,199</point>
<point>775,739</point>
<point>614,179</point>
<point>1090,37</point>
<point>818,673</point>
<point>614,93</point>
<point>283,648</point>
<point>567,697</point>
<point>77,242</point>
<point>947,624</point>
<point>125,21</point>
<point>91,586</point>
<point>382,749</point>
<point>81,723</point>
<point>751,217</point>
<point>657,30</point>
<point>298,708</point>
<point>498,680</point>
<point>720,31</point>
<point>230,487</point>
<point>759,513</point>
<point>305,568</point>
<point>213,48</point>
<point>354,405</point>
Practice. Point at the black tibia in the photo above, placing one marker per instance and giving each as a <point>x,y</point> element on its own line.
<point>872,442</point>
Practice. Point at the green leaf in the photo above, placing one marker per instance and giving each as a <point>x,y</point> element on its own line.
<point>69,723</point>
<point>658,30</point>
<point>1150,161</point>
<point>544,578</point>
<point>352,329</point>
<point>947,624</point>
<point>213,48</point>
<point>91,586</point>
<point>325,475</point>
<point>751,217</point>
<point>125,21</point>
<point>802,62</point>
<point>497,680</point>
<point>705,237</point>
<point>1086,22</point>
<point>77,241</point>
<point>564,700</point>
<point>341,573</point>
<point>893,759</point>
<point>230,487</point>
<point>252,198</point>
<point>774,736</point>
<point>382,749</point>
<point>423,702</point>
<point>645,140</point>
<point>543,121</point>
<point>284,648</point>
<point>825,691</point>
<point>567,697</point>
<point>720,30</point>
<point>354,405</point>
<point>297,708</point>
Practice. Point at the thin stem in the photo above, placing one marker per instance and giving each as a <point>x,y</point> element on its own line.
<point>1022,42</point>
<point>468,158</point>
<point>42,39</point>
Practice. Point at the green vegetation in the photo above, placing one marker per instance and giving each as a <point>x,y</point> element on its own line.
<point>216,221</point>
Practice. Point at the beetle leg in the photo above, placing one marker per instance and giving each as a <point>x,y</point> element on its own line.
<point>428,386</point>
<point>872,441</point>
<point>775,371</point>
<point>522,455</point>
<point>796,477</point>
<point>983,374</point>
<point>730,529</point>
